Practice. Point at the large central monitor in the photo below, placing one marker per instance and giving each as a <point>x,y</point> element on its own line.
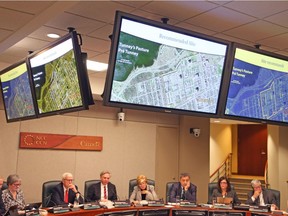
<point>258,88</point>
<point>159,67</point>
<point>57,71</point>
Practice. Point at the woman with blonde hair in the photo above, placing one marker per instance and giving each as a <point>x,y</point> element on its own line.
<point>143,191</point>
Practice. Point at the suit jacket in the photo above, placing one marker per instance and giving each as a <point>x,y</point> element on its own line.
<point>57,197</point>
<point>94,192</point>
<point>232,194</point>
<point>136,194</point>
<point>2,206</point>
<point>267,196</point>
<point>176,190</point>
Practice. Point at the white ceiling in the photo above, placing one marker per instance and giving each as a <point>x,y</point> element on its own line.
<point>24,24</point>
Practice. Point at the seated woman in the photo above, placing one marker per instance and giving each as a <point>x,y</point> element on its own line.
<point>13,195</point>
<point>143,191</point>
<point>224,190</point>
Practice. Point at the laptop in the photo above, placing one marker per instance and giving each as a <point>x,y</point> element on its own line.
<point>32,206</point>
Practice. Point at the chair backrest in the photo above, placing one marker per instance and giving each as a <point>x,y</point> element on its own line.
<point>4,186</point>
<point>212,186</point>
<point>168,189</point>
<point>276,194</point>
<point>133,183</point>
<point>47,189</point>
<point>88,184</point>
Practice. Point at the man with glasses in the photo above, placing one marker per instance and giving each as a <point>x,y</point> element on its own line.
<point>65,192</point>
<point>260,196</point>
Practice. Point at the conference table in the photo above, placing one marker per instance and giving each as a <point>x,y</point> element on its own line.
<point>208,211</point>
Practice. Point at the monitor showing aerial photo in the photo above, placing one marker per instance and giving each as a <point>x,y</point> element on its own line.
<point>166,69</point>
<point>16,91</point>
<point>258,87</point>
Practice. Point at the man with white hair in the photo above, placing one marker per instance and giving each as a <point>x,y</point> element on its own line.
<point>65,192</point>
<point>260,196</point>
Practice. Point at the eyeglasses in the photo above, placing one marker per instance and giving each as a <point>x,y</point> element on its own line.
<point>223,182</point>
<point>17,185</point>
<point>70,180</point>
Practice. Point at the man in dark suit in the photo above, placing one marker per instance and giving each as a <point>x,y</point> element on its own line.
<point>260,196</point>
<point>2,206</point>
<point>65,192</point>
<point>104,190</point>
<point>183,190</point>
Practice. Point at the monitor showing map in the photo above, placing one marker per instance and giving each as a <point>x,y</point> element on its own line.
<point>258,89</point>
<point>57,71</point>
<point>159,67</point>
<point>16,91</point>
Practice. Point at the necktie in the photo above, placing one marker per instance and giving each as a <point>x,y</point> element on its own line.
<point>105,192</point>
<point>66,196</point>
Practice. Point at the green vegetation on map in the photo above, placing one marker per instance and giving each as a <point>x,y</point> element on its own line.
<point>133,52</point>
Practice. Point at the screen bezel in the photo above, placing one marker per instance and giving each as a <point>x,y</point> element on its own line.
<point>112,62</point>
<point>7,69</point>
<point>227,79</point>
<point>79,68</point>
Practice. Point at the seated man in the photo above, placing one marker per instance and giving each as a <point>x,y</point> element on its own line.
<point>65,192</point>
<point>260,196</point>
<point>104,190</point>
<point>2,206</point>
<point>184,190</point>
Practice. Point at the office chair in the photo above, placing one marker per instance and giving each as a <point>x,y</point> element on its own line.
<point>276,194</point>
<point>47,189</point>
<point>133,183</point>
<point>4,186</point>
<point>168,189</point>
<point>87,185</point>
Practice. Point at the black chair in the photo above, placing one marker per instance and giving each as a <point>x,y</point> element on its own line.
<point>154,212</point>
<point>87,185</point>
<point>126,213</point>
<point>276,194</point>
<point>4,186</point>
<point>133,183</point>
<point>47,189</point>
<point>212,186</point>
<point>168,189</point>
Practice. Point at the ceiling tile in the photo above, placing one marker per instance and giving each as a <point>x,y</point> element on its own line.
<point>279,19</point>
<point>259,9</point>
<point>32,7</point>
<point>256,31</point>
<point>99,10</point>
<point>81,24</point>
<point>220,19</point>
<point>195,28</point>
<point>95,44</point>
<point>102,32</point>
<point>13,19</point>
<point>4,34</point>
<point>31,44</point>
<point>180,10</point>
<point>42,32</point>
<point>153,16</point>
<point>276,41</point>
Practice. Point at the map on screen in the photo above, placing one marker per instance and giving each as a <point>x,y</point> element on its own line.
<point>258,87</point>
<point>17,93</point>
<point>161,68</point>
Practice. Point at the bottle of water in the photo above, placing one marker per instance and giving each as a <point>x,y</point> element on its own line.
<point>76,201</point>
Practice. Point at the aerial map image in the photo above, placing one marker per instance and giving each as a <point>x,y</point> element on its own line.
<point>56,83</point>
<point>160,75</point>
<point>258,87</point>
<point>17,93</point>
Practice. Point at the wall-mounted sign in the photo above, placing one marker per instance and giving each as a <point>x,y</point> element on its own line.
<point>60,141</point>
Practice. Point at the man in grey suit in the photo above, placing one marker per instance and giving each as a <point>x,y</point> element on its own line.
<point>260,196</point>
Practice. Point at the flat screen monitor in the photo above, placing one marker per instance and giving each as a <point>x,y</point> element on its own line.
<point>154,212</point>
<point>57,71</point>
<point>188,213</point>
<point>158,67</point>
<point>258,86</point>
<point>16,91</point>
<point>121,213</point>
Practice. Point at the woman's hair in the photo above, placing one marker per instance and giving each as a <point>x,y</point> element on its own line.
<point>141,178</point>
<point>11,179</point>
<point>228,183</point>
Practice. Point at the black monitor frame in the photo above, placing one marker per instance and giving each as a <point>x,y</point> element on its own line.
<point>80,104</point>
<point>189,212</point>
<point>121,213</point>
<point>27,116</point>
<point>227,82</point>
<point>107,101</point>
<point>154,212</point>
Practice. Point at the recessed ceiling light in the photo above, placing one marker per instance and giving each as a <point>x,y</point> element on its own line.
<point>52,35</point>
<point>216,121</point>
<point>96,66</point>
